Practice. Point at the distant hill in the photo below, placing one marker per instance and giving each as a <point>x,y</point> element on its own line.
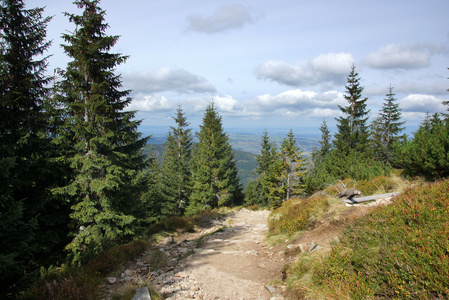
<point>246,162</point>
<point>246,148</point>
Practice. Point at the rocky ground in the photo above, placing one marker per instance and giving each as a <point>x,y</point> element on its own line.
<point>226,260</point>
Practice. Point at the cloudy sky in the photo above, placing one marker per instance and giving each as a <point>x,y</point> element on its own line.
<point>272,64</point>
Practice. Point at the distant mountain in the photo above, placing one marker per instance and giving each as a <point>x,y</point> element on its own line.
<point>246,148</point>
<point>246,162</point>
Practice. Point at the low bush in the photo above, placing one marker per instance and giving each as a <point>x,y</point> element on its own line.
<point>295,215</point>
<point>111,258</point>
<point>398,251</point>
<point>65,283</point>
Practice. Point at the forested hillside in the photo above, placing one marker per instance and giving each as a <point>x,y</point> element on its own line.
<point>77,176</point>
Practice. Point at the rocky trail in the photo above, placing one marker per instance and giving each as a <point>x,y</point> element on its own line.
<point>226,260</point>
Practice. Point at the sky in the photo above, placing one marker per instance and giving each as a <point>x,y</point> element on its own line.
<point>277,65</point>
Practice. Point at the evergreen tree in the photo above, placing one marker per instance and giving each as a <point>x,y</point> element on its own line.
<point>108,163</point>
<point>391,124</point>
<point>257,191</point>
<point>266,156</point>
<point>377,140</point>
<point>214,173</point>
<point>177,181</point>
<point>427,154</point>
<point>325,145</point>
<point>314,177</point>
<point>294,166</point>
<point>352,128</point>
<point>25,170</point>
<point>325,142</point>
<point>151,205</point>
<point>285,175</point>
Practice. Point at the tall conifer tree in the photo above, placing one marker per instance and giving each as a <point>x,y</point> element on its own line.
<point>108,162</point>
<point>25,171</point>
<point>214,172</point>
<point>177,181</point>
<point>257,191</point>
<point>391,124</point>
<point>294,166</point>
<point>352,127</point>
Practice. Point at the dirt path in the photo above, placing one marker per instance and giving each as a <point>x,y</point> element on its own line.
<point>232,263</point>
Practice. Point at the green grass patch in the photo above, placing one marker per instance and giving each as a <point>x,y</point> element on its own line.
<point>399,251</point>
<point>296,215</point>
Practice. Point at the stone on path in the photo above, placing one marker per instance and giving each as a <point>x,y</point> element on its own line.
<point>112,280</point>
<point>142,293</point>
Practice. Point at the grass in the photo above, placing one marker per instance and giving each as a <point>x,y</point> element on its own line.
<point>399,251</point>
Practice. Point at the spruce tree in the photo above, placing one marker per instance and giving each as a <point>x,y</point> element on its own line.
<point>391,124</point>
<point>108,163</point>
<point>177,181</point>
<point>257,191</point>
<point>214,172</point>
<point>325,141</point>
<point>352,127</point>
<point>150,211</point>
<point>267,152</point>
<point>427,154</point>
<point>293,166</point>
<point>25,170</point>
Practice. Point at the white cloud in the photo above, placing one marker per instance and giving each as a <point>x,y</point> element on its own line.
<point>325,68</point>
<point>167,79</point>
<point>151,103</point>
<point>233,16</point>
<point>401,56</point>
<point>299,103</point>
<point>228,104</point>
<point>422,103</point>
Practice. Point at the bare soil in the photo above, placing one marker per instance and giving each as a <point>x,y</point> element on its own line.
<point>228,259</point>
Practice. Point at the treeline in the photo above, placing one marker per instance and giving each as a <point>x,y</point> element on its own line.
<point>358,150</point>
<point>75,180</point>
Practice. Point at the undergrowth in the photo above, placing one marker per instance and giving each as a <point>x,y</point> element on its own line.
<point>82,282</point>
<point>296,214</point>
<point>399,251</point>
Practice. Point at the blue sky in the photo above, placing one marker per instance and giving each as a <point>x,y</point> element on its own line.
<point>272,64</point>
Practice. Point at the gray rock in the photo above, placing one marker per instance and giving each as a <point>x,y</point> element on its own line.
<point>318,247</point>
<point>142,293</point>
<point>312,245</point>
<point>172,262</point>
<point>112,280</point>
<point>271,289</point>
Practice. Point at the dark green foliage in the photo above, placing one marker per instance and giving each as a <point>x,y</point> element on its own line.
<point>257,192</point>
<point>294,166</point>
<point>176,176</point>
<point>150,207</point>
<point>398,251</point>
<point>386,128</point>
<point>352,127</point>
<point>214,173</point>
<point>325,141</point>
<point>107,162</point>
<point>30,218</point>
<point>284,178</point>
<point>427,154</point>
<point>338,166</point>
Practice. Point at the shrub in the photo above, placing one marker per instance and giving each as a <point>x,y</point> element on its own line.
<point>111,258</point>
<point>66,283</point>
<point>397,251</point>
<point>295,215</point>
